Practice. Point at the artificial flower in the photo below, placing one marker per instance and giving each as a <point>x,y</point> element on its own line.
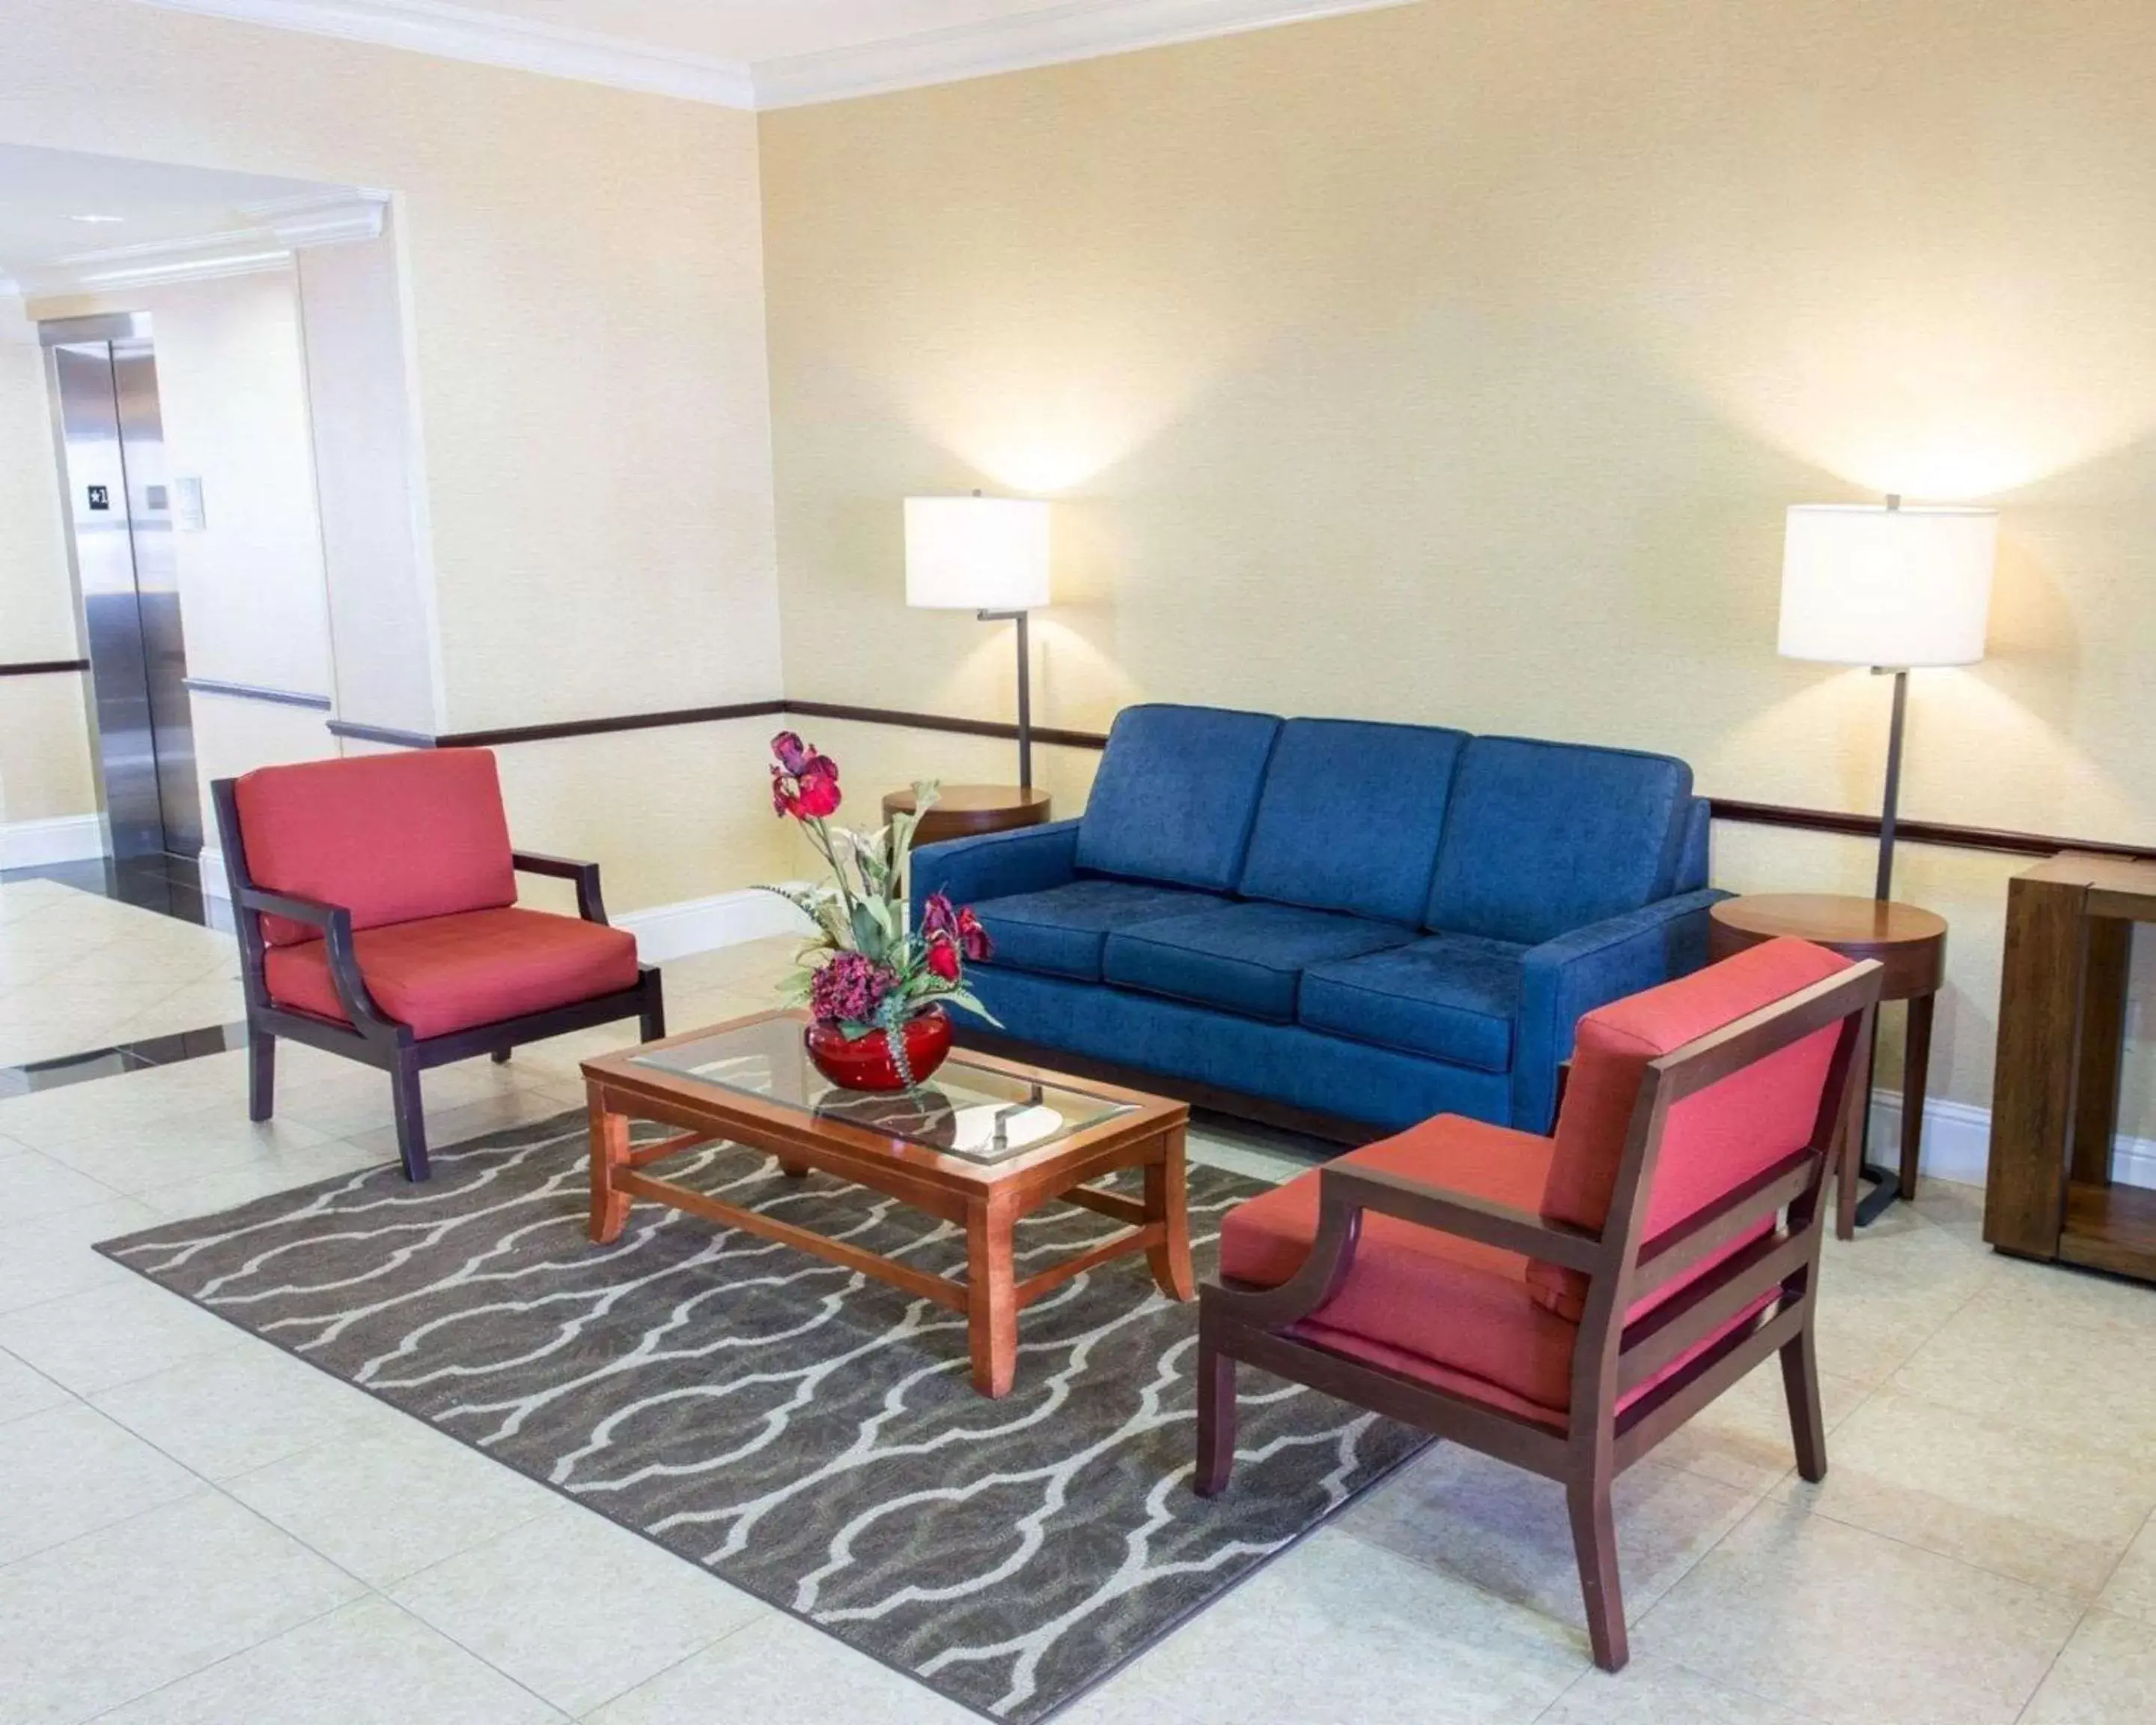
<point>849,987</point>
<point>819,780</point>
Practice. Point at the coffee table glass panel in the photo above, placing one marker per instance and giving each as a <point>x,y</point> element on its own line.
<point>983,1113</point>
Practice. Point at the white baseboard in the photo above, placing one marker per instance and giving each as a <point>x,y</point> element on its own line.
<point>60,838</point>
<point>211,863</point>
<point>1958,1142</point>
<point>701,925</point>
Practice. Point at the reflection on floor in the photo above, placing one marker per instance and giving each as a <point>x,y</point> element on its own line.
<point>170,886</point>
<point>81,972</point>
<point>176,1492</point>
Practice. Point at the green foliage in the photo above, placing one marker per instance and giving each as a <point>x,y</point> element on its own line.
<point>862,909</point>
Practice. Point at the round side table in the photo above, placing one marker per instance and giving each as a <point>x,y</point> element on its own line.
<point>963,810</point>
<point>1910,946</point>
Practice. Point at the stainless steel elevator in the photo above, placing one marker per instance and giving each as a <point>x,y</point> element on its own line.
<point>104,377</point>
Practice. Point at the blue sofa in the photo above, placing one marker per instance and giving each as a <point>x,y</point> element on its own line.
<point>1373,923</point>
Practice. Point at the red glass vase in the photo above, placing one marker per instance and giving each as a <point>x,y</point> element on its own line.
<point>864,1062</point>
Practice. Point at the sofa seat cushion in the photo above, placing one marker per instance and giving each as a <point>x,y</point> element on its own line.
<point>1449,1309</point>
<point>1453,997</point>
<point>1061,930</point>
<point>1243,957</point>
<point>448,973</point>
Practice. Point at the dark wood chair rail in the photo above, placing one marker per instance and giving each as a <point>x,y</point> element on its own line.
<point>1948,834</point>
<point>42,667</point>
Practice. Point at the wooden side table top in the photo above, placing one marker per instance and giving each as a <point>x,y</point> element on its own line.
<point>963,810</point>
<point>1909,941</point>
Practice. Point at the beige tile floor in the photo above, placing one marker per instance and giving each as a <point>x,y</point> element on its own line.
<point>79,971</point>
<point>195,1527</point>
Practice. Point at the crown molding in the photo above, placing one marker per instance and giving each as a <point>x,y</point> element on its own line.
<point>468,33</point>
<point>285,225</point>
<point>159,263</point>
<point>323,218</point>
<point>1079,30</point>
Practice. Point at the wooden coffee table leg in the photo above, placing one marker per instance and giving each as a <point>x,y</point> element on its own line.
<point>609,1151</point>
<point>793,1170</point>
<point>991,1295</point>
<point>1166,1192</point>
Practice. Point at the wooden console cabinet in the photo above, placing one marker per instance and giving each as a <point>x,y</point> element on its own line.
<point>2054,1091</point>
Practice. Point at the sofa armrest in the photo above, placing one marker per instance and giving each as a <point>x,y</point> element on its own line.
<point>589,905</point>
<point>997,864</point>
<point>1582,969</point>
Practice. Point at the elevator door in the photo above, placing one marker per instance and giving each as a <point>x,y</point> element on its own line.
<point>104,389</point>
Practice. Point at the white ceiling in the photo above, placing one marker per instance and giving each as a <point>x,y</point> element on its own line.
<point>43,192</point>
<point>766,54</point>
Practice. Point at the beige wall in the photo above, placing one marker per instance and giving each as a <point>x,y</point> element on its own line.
<point>1457,362</point>
<point>584,273</point>
<point>44,729</point>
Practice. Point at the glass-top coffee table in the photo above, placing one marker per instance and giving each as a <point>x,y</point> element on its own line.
<point>983,1142</point>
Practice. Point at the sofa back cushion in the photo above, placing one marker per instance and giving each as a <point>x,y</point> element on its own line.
<point>391,838</point>
<point>1350,816</point>
<point>1543,837</point>
<point>1694,847</point>
<point>1715,1139</point>
<point>1175,795</point>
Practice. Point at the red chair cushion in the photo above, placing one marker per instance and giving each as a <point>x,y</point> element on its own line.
<point>1713,1140</point>
<point>1446,1309</point>
<point>447,973</point>
<point>1452,1312</point>
<point>391,837</point>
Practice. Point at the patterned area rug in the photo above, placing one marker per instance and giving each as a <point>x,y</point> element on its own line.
<point>808,1434</point>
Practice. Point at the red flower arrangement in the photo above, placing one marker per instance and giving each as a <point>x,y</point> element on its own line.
<point>865,973</point>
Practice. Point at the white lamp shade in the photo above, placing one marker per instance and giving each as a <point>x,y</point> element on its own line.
<point>977,553</point>
<point>1862,584</point>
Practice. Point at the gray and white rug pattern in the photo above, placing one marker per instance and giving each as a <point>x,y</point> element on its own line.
<point>808,1434</point>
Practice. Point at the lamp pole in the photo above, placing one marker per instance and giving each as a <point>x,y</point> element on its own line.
<point>1884,887</point>
<point>1024,692</point>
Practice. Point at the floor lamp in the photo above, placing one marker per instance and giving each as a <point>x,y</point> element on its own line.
<point>989,556</point>
<point>1897,589</point>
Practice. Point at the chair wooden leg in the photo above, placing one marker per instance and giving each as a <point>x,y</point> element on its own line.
<point>1216,1418</point>
<point>411,1118</point>
<point>500,1057</point>
<point>1594,1543</point>
<point>1807,1419</point>
<point>654,1021</point>
<point>261,1074</point>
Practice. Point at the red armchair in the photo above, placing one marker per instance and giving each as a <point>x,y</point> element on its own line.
<point>1566,1303</point>
<point>376,901</point>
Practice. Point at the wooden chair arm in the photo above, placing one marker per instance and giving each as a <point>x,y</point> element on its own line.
<point>334,921</point>
<point>1457,1213</point>
<point>1348,1194</point>
<point>590,906</point>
